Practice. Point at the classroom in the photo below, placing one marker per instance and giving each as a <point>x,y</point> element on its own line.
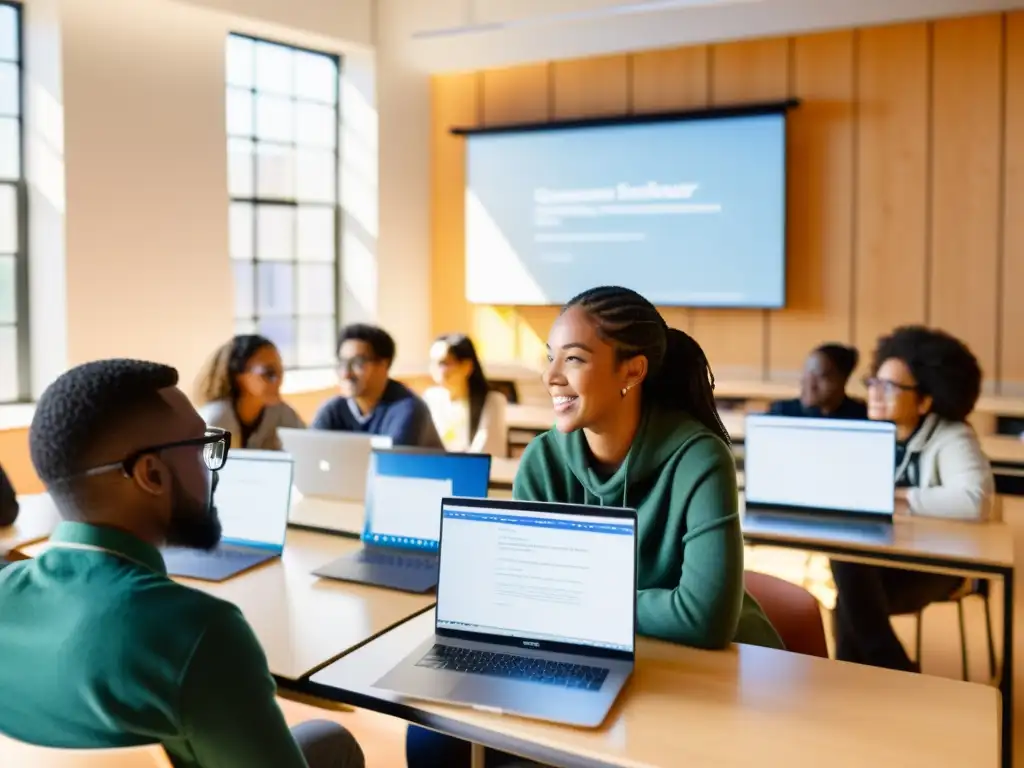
<point>619,383</point>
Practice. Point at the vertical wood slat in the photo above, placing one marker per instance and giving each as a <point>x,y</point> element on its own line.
<point>820,210</point>
<point>1011,352</point>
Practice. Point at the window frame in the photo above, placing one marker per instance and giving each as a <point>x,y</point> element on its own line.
<point>257,201</point>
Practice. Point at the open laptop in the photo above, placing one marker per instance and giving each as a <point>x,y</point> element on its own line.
<point>820,476</point>
<point>253,495</point>
<point>536,611</point>
<point>331,465</point>
<point>403,516</point>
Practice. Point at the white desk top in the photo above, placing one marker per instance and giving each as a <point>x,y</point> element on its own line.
<point>735,708</point>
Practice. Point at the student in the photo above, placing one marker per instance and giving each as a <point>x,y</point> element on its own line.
<point>636,426</point>
<point>100,648</point>
<point>370,401</point>
<point>8,501</point>
<point>823,386</point>
<point>926,383</point>
<point>239,389</point>
<point>469,416</point>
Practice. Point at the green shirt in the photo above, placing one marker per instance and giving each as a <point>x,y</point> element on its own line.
<point>99,648</point>
<point>681,479</point>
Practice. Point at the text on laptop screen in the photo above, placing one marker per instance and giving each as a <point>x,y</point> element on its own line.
<point>830,464</point>
<point>546,576</point>
<point>252,499</point>
<point>404,492</point>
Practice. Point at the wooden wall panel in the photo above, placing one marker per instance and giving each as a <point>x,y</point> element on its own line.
<point>590,87</point>
<point>965,195</point>
<point>515,95</point>
<point>820,220</point>
<point>750,71</point>
<point>892,180</point>
<point>453,103</point>
<point>1011,350</point>
<point>664,81</point>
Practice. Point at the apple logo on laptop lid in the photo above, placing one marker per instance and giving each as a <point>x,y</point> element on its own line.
<point>325,466</point>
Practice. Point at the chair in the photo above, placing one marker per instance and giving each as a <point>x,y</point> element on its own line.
<point>13,752</point>
<point>970,588</point>
<point>792,610</point>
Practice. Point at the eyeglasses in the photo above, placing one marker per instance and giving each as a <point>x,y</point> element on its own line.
<point>357,363</point>
<point>215,444</point>
<point>267,374</point>
<point>889,388</point>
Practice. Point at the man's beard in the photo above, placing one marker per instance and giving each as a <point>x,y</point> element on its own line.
<point>194,522</point>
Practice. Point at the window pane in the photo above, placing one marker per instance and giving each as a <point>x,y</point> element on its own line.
<point>316,234</point>
<point>8,33</point>
<point>8,290</point>
<point>275,233</point>
<point>8,364</point>
<point>314,176</point>
<point>241,61</point>
<point>316,77</point>
<point>240,116</point>
<point>276,291</point>
<point>244,289</point>
<point>281,331</point>
<point>240,226</point>
<point>240,168</point>
<point>316,125</point>
<point>10,83</point>
<point>245,325</point>
<point>8,219</point>
<point>316,342</point>
<point>275,169</point>
<point>273,68</point>
<point>10,149</point>
<point>316,289</point>
<point>275,118</point>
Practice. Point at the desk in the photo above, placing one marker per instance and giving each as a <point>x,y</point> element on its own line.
<point>344,518</point>
<point>37,517</point>
<point>740,707</point>
<point>973,550</point>
<point>503,473</point>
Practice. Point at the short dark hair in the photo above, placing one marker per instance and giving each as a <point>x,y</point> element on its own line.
<point>679,376</point>
<point>943,366</point>
<point>380,341</point>
<point>844,358</point>
<point>85,405</point>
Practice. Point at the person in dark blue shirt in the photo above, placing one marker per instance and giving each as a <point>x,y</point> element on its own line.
<point>370,401</point>
<point>823,386</point>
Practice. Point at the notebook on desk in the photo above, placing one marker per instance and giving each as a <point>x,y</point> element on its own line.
<point>820,476</point>
<point>403,516</point>
<point>252,497</point>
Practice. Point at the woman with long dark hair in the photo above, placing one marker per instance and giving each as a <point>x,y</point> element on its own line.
<point>469,416</point>
<point>239,389</point>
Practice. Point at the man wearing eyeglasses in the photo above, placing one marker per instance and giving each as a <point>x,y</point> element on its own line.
<point>98,647</point>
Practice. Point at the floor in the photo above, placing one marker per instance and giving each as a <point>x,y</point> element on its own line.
<point>383,738</point>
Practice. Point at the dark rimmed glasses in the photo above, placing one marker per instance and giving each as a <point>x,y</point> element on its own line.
<point>215,444</point>
<point>889,388</point>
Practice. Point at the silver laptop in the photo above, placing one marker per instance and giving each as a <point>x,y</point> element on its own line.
<point>536,611</point>
<point>820,475</point>
<point>252,496</point>
<point>331,465</point>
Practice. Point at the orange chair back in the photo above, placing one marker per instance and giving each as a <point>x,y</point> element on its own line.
<point>792,610</point>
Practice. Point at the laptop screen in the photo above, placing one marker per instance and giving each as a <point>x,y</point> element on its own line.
<point>828,464</point>
<point>404,489</point>
<point>508,569</point>
<point>252,498</point>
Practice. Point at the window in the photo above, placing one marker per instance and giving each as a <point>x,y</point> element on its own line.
<point>15,372</point>
<point>283,158</point>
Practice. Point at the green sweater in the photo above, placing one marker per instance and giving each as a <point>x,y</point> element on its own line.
<point>681,479</point>
<point>101,649</point>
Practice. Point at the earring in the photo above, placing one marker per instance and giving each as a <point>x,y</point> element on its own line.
<point>624,391</point>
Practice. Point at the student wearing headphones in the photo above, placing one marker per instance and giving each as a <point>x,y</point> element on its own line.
<point>823,386</point>
<point>239,389</point>
<point>636,426</point>
<point>926,382</point>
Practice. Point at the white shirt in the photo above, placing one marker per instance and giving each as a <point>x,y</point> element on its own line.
<point>451,417</point>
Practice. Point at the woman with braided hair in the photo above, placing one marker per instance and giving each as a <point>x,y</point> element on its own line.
<point>239,389</point>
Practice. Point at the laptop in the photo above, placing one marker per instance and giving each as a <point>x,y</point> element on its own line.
<point>820,476</point>
<point>331,465</point>
<point>403,516</point>
<point>536,611</point>
<point>252,496</point>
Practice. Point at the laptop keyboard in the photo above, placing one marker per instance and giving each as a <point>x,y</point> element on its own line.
<point>515,667</point>
<point>375,557</point>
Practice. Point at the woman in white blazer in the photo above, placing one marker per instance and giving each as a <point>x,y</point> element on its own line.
<point>926,382</point>
<point>469,416</point>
